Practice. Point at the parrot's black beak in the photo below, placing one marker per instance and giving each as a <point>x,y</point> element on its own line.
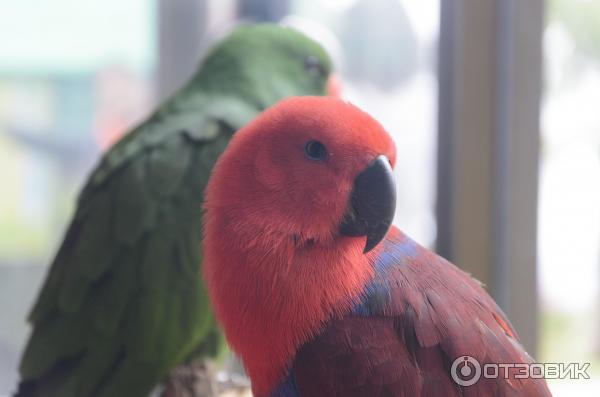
<point>372,205</point>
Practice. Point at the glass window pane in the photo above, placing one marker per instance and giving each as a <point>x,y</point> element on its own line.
<point>569,214</point>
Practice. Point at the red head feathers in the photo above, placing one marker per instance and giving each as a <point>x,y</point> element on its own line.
<point>277,261</point>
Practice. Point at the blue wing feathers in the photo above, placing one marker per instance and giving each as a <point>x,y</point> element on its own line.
<point>377,295</point>
<point>288,388</point>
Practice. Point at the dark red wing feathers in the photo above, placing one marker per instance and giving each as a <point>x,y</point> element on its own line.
<point>418,315</point>
<point>360,356</point>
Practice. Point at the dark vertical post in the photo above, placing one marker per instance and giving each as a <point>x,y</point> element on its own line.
<point>489,98</point>
<point>262,10</point>
<point>182,25</point>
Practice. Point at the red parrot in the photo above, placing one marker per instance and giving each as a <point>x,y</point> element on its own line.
<point>316,292</point>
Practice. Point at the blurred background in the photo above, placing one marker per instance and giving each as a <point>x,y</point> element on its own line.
<point>494,107</point>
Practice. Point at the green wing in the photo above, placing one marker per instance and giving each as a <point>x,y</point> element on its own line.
<point>123,302</point>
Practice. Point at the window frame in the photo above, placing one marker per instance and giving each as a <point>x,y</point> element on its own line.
<point>489,76</point>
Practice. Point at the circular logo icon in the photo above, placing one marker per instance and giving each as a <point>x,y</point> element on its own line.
<point>465,371</point>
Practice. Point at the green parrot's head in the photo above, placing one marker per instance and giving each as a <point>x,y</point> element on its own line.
<point>264,63</point>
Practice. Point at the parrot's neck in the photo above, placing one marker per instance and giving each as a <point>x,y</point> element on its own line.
<point>273,297</point>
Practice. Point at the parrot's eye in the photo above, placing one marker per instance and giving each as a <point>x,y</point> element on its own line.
<point>312,65</point>
<point>315,150</point>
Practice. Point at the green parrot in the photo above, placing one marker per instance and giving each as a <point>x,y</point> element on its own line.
<point>123,302</point>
